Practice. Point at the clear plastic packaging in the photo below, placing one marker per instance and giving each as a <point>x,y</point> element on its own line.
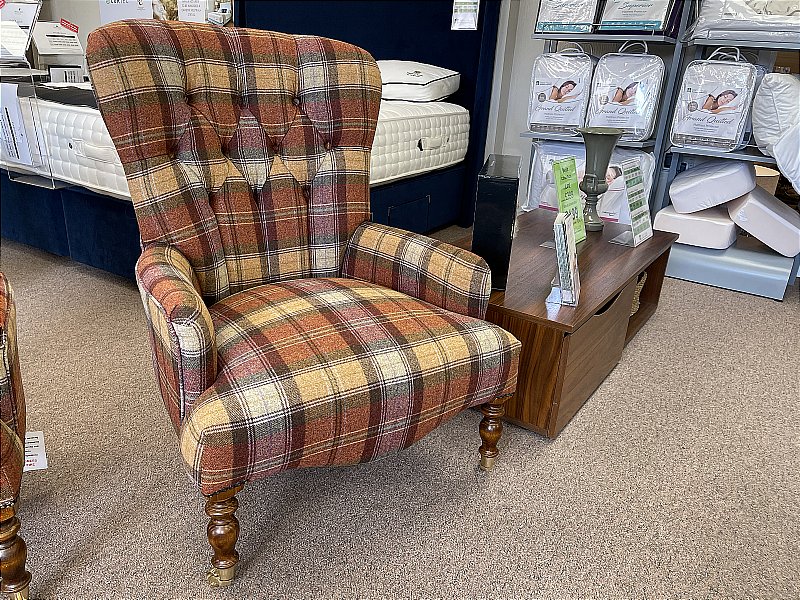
<point>613,205</point>
<point>759,20</point>
<point>626,90</point>
<point>642,15</point>
<point>560,86</point>
<point>576,16</point>
<point>714,101</point>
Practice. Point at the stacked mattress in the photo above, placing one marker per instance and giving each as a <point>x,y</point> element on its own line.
<point>417,137</point>
<point>709,201</point>
<point>411,138</point>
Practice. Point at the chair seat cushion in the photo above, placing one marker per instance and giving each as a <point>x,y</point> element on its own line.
<point>317,372</point>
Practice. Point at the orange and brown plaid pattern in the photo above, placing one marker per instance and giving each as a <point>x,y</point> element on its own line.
<point>181,331</point>
<point>247,157</point>
<point>419,266</point>
<point>12,400</point>
<point>247,150</point>
<point>335,371</point>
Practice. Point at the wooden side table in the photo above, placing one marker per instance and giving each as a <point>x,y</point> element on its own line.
<point>567,352</point>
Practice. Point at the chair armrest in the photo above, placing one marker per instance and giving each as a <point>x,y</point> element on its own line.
<point>181,329</point>
<point>433,271</point>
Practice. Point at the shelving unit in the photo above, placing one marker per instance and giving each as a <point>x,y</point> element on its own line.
<point>659,143</point>
<point>605,37</point>
<point>749,153</point>
<point>563,137</point>
<point>747,266</point>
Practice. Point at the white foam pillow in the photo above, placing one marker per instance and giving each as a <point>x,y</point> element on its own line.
<point>787,155</point>
<point>765,217</point>
<point>709,228</point>
<point>417,82</point>
<point>711,183</point>
<point>776,108</point>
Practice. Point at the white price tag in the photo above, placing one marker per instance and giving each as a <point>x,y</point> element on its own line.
<point>35,455</point>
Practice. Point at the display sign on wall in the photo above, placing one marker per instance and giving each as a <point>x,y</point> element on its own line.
<point>465,15</point>
<point>116,10</point>
<point>193,11</point>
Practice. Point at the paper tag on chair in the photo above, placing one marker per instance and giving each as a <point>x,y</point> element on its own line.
<point>35,455</point>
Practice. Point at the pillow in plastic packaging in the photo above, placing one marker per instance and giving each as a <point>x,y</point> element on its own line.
<point>626,90</point>
<point>613,205</point>
<point>560,87</point>
<point>776,108</point>
<point>576,16</point>
<point>759,20</point>
<point>713,105</point>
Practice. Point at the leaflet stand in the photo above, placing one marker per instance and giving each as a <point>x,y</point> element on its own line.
<point>641,228</point>
<point>24,153</point>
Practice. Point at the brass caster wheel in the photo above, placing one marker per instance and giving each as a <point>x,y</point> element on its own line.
<point>19,595</point>
<point>487,462</point>
<point>220,577</point>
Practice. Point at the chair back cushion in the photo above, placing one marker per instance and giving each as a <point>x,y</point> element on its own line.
<point>248,150</point>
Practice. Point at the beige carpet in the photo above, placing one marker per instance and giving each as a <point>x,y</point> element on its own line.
<point>679,479</point>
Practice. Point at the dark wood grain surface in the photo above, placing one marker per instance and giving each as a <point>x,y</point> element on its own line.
<point>604,268</point>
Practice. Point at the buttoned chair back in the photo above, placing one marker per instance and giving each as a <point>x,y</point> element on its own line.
<point>246,150</point>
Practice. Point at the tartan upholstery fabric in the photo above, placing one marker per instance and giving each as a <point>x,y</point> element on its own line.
<point>181,330</point>
<point>12,400</point>
<point>247,157</point>
<point>417,265</point>
<point>247,150</point>
<point>335,371</point>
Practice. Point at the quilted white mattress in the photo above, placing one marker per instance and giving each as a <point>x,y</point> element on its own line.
<point>81,150</point>
<point>414,138</point>
<point>411,138</point>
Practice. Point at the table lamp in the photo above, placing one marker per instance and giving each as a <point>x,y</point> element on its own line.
<point>599,142</point>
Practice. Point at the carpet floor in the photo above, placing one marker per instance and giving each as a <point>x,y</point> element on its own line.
<point>680,478</point>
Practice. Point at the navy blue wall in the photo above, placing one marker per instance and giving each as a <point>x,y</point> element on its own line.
<point>403,30</point>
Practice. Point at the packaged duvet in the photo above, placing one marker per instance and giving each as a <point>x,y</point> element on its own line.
<point>626,90</point>
<point>714,103</point>
<point>560,86</point>
<point>613,205</point>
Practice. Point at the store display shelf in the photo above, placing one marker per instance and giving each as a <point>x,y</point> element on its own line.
<point>750,154</point>
<point>604,37</point>
<point>769,44</point>
<point>565,137</point>
<point>748,266</point>
<point>37,180</point>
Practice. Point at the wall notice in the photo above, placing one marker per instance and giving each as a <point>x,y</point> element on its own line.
<point>193,11</point>
<point>116,10</point>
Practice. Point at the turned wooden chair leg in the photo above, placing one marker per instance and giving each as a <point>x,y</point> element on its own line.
<point>223,532</point>
<point>14,579</point>
<point>491,428</point>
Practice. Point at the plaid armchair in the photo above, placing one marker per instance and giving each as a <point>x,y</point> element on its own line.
<point>14,579</point>
<point>287,330</point>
